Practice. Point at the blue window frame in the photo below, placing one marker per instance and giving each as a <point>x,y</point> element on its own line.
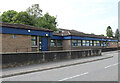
<point>87,43</point>
<point>14,36</point>
<point>97,43</point>
<point>52,43</point>
<point>74,43</point>
<point>34,40</point>
<point>108,44</point>
<point>91,43</point>
<point>79,42</point>
<point>59,42</point>
<point>84,42</point>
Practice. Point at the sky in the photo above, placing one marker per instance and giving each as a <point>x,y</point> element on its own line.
<point>88,16</point>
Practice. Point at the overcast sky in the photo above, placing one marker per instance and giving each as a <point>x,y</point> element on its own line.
<point>89,16</point>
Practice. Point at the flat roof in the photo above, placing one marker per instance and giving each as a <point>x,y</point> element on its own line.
<point>23,26</point>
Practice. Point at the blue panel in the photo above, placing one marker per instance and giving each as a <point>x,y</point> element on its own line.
<point>67,37</point>
<point>44,44</point>
<point>87,38</point>
<point>25,32</point>
<point>57,37</point>
<point>0,29</point>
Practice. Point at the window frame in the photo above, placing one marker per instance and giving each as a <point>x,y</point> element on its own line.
<point>59,43</point>
<point>35,40</point>
<point>52,42</point>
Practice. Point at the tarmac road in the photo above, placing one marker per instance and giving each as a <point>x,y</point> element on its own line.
<point>102,70</point>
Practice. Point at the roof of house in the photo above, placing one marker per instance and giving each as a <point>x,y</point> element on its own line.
<point>23,26</point>
<point>66,32</point>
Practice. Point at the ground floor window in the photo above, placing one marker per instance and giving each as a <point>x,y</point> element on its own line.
<point>74,42</point>
<point>79,42</point>
<point>87,43</point>
<point>34,40</point>
<point>97,43</point>
<point>91,43</point>
<point>52,43</point>
<point>84,43</point>
<point>59,42</point>
<point>94,43</point>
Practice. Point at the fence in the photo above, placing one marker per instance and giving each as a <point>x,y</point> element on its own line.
<point>15,59</point>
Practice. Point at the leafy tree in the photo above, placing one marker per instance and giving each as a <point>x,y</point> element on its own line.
<point>23,18</point>
<point>102,34</point>
<point>34,11</point>
<point>117,33</point>
<point>8,16</point>
<point>109,32</point>
<point>92,33</point>
<point>48,22</point>
<point>32,16</point>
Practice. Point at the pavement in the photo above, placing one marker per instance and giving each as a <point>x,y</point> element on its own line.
<point>26,70</point>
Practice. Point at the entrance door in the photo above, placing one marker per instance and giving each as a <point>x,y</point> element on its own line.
<point>44,43</point>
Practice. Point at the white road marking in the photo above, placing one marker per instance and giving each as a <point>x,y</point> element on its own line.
<point>111,65</point>
<point>73,76</point>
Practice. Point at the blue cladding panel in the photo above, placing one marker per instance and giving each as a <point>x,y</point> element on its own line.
<point>67,37</point>
<point>0,29</point>
<point>82,38</point>
<point>44,44</point>
<point>57,37</point>
<point>25,32</point>
<point>87,38</point>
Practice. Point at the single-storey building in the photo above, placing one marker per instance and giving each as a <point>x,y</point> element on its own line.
<point>26,38</point>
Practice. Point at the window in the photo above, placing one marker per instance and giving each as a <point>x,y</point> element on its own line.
<point>94,43</point>
<point>108,44</point>
<point>34,40</point>
<point>74,42</point>
<point>87,43</point>
<point>79,42</point>
<point>59,42</point>
<point>97,43</point>
<point>91,43</point>
<point>52,43</point>
<point>84,43</point>
<point>104,43</point>
<point>14,36</point>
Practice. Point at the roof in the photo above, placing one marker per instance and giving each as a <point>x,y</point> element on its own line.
<point>23,26</point>
<point>66,32</point>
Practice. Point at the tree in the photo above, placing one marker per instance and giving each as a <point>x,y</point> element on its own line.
<point>92,33</point>
<point>8,16</point>
<point>34,11</point>
<point>23,18</point>
<point>117,33</point>
<point>48,22</point>
<point>102,35</point>
<point>109,32</point>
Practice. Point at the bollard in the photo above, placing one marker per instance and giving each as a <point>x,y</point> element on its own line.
<point>55,57</point>
<point>43,57</point>
<point>88,53</point>
<point>69,55</point>
<point>91,52</point>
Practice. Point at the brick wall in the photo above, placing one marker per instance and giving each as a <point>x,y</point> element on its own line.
<point>112,45</point>
<point>66,44</point>
<point>22,43</point>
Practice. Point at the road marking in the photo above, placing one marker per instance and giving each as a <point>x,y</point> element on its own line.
<point>73,76</point>
<point>111,65</point>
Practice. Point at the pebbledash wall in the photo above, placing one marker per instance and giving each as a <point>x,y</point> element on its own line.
<point>25,38</point>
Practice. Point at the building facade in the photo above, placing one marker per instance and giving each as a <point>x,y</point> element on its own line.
<point>25,38</point>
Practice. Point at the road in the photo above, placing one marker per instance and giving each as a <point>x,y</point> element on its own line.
<point>103,70</point>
